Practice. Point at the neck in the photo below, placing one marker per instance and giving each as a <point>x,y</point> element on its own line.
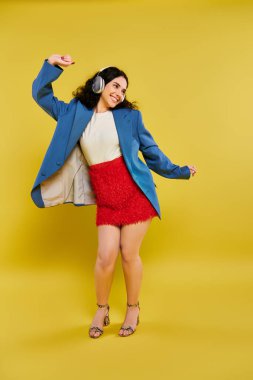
<point>101,107</point>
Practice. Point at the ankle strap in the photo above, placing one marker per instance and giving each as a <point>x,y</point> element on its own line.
<point>134,304</point>
<point>102,305</point>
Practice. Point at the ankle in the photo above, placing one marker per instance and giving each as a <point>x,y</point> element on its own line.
<point>133,305</point>
<point>102,305</point>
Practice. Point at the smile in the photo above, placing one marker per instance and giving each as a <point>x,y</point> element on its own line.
<point>114,99</point>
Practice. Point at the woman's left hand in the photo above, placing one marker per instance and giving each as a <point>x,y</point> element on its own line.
<point>193,169</point>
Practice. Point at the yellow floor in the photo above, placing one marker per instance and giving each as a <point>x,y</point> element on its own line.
<point>195,323</point>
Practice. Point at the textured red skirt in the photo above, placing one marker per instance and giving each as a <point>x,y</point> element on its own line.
<point>119,199</point>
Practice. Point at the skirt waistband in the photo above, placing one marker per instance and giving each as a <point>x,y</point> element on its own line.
<point>106,163</point>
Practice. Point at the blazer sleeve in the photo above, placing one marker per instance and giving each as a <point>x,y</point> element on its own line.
<point>156,160</point>
<point>42,91</point>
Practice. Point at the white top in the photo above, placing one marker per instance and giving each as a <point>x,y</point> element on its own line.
<point>99,141</point>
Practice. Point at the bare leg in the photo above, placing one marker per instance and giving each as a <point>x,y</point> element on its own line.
<point>108,249</point>
<point>130,241</point>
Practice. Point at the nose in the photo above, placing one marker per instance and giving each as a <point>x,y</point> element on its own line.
<point>119,95</point>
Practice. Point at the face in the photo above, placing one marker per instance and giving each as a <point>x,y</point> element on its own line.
<point>114,92</point>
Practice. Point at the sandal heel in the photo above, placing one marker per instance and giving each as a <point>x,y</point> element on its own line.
<point>106,320</point>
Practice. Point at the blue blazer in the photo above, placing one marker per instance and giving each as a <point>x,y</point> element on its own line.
<point>63,176</point>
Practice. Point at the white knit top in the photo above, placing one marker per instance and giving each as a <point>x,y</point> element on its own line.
<point>99,141</point>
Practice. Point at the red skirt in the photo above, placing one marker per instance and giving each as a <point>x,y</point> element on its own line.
<point>119,199</point>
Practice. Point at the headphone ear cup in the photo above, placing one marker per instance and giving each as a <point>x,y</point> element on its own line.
<point>98,84</point>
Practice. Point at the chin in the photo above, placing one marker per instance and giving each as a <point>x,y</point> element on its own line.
<point>113,105</point>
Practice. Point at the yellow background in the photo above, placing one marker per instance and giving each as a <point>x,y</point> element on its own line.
<point>190,68</point>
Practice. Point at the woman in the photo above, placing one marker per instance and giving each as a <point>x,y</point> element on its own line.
<point>93,159</point>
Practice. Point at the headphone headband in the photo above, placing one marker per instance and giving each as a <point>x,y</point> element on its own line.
<point>103,69</point>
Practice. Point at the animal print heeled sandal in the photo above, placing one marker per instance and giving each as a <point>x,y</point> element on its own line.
<point>106,322</point>
<point>130,328</point>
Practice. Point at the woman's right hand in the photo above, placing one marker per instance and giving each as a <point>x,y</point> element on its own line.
<point>60,60</point>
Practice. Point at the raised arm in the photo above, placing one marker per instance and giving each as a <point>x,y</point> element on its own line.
<point>156,160</point>
<point>42,91</point>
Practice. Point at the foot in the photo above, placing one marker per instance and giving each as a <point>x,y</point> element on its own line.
<point>98,321</point>
<point>130,320</point>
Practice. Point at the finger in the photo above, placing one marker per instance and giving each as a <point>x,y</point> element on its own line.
<point>66,58</point>
<point>67,63</point>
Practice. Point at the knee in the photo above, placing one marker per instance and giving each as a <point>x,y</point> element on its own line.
<point>107,258</point>
<point>129,255</point>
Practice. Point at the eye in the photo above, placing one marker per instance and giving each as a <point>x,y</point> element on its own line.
<point>116,85</point>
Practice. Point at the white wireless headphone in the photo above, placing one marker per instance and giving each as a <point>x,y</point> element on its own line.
<point>98,84</point>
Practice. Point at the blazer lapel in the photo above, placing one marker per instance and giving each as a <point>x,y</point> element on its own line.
<point>122,122</point>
